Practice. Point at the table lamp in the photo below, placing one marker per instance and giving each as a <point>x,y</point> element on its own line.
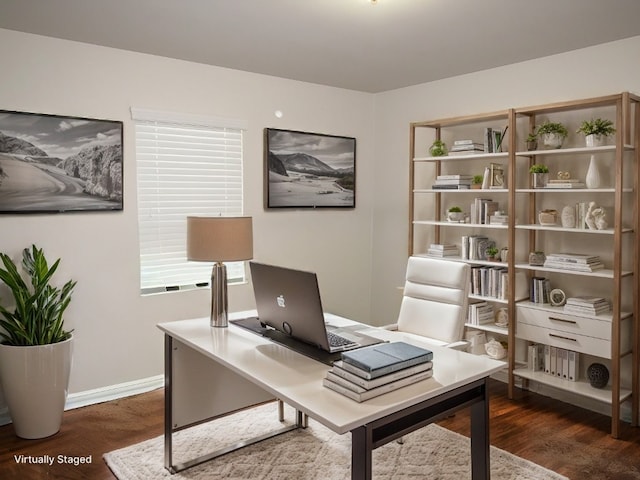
<point>219,239</point>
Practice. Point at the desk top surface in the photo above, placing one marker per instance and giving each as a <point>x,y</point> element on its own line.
<point>297,379</point>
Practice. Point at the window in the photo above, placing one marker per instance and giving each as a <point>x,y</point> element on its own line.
<point>186,165</point>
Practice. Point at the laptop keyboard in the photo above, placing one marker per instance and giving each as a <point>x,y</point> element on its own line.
<point>337,340</point>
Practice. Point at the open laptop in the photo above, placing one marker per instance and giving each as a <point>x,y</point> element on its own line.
<point>289,301</point>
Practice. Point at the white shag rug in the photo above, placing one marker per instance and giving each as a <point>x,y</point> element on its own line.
<point>315,453</point>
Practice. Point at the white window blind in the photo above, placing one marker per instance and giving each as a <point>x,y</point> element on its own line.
<point>186,165</point>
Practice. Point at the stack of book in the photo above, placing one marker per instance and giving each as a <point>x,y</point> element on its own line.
<point>482,209</point>
<point>441,250</point>
<point>452,182</point>
<point>573,261</point>
<point>372,371</point>
<point>499,218</point>
<point>489,282</point>
<point>584,305</point>
<point>480,313</point>
<point>540,289</point>
<point>566,183</point>
<point>466,147</point>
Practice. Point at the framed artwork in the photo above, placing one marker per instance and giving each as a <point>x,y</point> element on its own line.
<point>52,163</point>
<point>309,170</point>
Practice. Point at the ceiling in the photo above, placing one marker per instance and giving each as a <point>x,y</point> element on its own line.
<point>349,44</point>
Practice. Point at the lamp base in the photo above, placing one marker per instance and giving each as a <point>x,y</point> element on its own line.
<point>219,301</point>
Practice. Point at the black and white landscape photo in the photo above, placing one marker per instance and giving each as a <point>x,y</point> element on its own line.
<point>51,163</point>
<point>309,170</point>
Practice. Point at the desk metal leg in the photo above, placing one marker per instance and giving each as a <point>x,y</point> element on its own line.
<point>480,438</point>
<point>300,422</point>
<point>368,437</point>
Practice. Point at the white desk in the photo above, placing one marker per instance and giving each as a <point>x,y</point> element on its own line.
<point>198,359</point>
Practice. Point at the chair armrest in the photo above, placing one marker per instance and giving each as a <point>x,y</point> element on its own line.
<point>392,327</point>
<point>459,345</point>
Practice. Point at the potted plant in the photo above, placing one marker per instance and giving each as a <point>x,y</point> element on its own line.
<point>476,182</point>
<point>492,254</point>
<point>552,134</point>
<point>35,348</point>
<point>596,131</point>
<point>532,141</point>
<point>438,149</point>
<point>539,175</point>
<point>455,214</point>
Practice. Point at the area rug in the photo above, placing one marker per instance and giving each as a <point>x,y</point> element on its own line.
<point>315,453</point>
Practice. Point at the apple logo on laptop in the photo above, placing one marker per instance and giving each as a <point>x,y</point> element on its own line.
<point>280,301</point>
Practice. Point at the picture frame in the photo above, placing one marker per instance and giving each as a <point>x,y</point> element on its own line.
<point>308,170</point>
<point>57,163</point>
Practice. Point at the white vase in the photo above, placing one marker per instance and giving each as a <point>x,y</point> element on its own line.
<point>592,180</point>
<point>35,384</point>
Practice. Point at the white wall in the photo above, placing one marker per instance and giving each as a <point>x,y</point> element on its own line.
<point>359,254</point>
<point>116,339</point>
<point>601,70</point>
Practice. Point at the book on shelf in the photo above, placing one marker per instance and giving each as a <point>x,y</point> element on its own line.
<point>378,360</point>
<point>357,381</point>
<point>440,250</point>
<point>540,289</point>
<point>574,267</point>
<point>450,187</point>
<point>587,305</point>
<point>564,180</point>
<point>453,181</point>
<point>375,392</point>
<point>498,219</point>
<point>565,185</point>
<point>574,258</point>
<point>480,313</point>
<point>454,177</point>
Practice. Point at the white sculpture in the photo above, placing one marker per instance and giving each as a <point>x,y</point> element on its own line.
<point>595,217</point>
<point>568,217</point>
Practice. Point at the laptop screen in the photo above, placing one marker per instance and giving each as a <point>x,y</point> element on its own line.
<point>289,301</point>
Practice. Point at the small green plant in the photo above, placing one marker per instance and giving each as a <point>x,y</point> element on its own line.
<point>539,169</point>
<point>477,179</point>
<point>532,137</point>
<point>597,126</point>
<point>438,149</point>
<point>39,308</point>
<point>455,210</point>
<point>492,251</point>
<point>553,127</point>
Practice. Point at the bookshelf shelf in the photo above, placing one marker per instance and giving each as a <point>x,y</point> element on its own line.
<point>617,246</point>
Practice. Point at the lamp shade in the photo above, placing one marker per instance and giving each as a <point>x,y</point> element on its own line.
<point>219,239</point>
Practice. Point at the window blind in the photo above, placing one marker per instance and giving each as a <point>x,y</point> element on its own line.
<point>185,166</point>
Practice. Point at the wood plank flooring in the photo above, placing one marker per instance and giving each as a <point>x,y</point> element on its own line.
<point>559,436</point>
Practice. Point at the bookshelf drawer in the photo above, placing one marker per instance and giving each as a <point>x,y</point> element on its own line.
<point>565,323</point>
<point>569,340</point>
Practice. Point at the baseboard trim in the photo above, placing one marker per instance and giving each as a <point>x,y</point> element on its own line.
<point>103,394</point>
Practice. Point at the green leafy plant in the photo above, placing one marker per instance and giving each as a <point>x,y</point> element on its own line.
<point>492,251</point>
<point>438,149</point>
<point>477,179</point>
<point>532,137</point>
<point>553,127</point>
<point>538,168</point>
<point>39,307</point>
<point>455,210</point>
<point>597,126</point>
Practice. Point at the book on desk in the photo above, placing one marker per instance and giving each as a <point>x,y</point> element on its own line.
<point>368,372</point>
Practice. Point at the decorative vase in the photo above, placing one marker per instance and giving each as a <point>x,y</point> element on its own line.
<point>35,383</point>
<point>598,375</point>
<point>539,180</point>
<point>537,259</point>
<point>568,217</point>
<point>592,180</point>
<point>455,216</point>
<point>548,217</point>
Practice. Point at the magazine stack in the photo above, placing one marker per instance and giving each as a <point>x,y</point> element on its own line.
<point>442,250</point>
<point>573,261</point>
<point>587,305</point>
<point>372,371</point>
<point>452,182</point>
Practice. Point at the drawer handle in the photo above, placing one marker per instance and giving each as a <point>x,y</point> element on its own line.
<point>563,320</point>
<point>561,337</point>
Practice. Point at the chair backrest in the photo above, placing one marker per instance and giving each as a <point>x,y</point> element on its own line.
<point>435,300</point>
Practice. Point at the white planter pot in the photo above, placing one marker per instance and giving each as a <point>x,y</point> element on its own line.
<point>595,140</point>
<point>552,140</point>
<point>35,383</point>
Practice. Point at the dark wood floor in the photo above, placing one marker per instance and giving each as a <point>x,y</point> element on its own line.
<point>561,437</point>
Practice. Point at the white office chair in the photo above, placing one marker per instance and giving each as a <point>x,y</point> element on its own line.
<point>435,301</point>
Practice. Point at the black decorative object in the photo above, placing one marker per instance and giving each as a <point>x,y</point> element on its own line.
<point>598,375</point>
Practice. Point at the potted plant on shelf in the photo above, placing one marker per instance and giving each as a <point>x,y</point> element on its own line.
<point>35,348</point>
<point>476,182</point>
<point>455,214</point>
<point>492,254</point>
<point>539,175</point>
<point>596,131</point>
<point>552,134</point>
<point>438,149</point>
<point>532,141</point>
